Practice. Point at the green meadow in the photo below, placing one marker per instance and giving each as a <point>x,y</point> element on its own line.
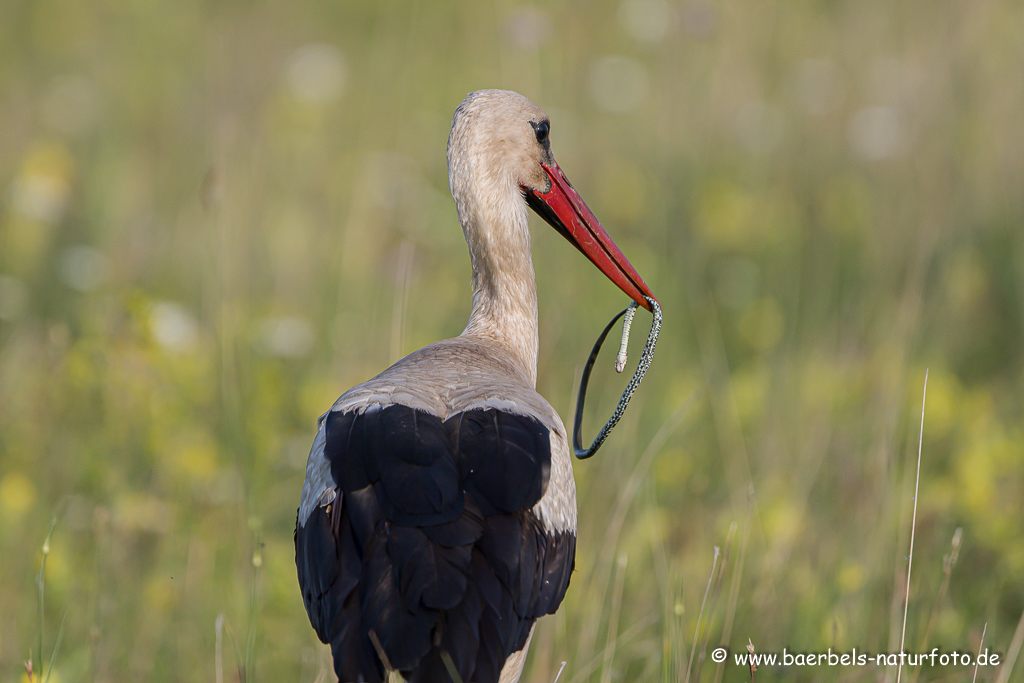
<point>217,216</point>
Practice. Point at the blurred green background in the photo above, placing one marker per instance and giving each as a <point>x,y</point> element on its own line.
<point>215,217</point>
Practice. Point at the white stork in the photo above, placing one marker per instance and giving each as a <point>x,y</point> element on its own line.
<point>438,515</point>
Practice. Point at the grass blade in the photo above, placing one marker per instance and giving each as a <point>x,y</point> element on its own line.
<point>913,526</point>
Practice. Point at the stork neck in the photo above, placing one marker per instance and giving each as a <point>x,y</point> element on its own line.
<point>504,287</point>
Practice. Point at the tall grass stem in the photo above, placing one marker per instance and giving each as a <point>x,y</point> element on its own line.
<point>980,645</point>
<point>700,614</point>
<point>913,526</point>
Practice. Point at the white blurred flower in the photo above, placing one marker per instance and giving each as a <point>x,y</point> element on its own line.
<point>173,327</point>
<point>286,336</point>
<point>316,73</point>
<point>876,133</point>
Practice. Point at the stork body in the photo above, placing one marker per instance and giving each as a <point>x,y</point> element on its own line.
<point>438,515</point>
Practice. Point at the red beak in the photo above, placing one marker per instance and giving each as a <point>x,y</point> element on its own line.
<point>564,209</point>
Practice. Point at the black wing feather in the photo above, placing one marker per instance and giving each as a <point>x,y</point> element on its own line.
<point>505,459</point>
<point>431,543</point>
<point>329,564</point>
<point>404,634</point>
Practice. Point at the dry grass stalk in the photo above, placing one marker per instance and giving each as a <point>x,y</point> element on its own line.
<point>913,526</point>
<point>716,592</point>
<point>980,644</point>
<point>948,562</point>
<point>700,615</point>
<point>734,588</point>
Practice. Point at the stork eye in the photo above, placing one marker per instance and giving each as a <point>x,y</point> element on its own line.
<point>541,130</point>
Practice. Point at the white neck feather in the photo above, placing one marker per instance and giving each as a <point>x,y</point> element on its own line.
<point>494,219</point>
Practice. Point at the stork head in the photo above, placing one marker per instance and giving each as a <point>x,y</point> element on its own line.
<point>500,160</point>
